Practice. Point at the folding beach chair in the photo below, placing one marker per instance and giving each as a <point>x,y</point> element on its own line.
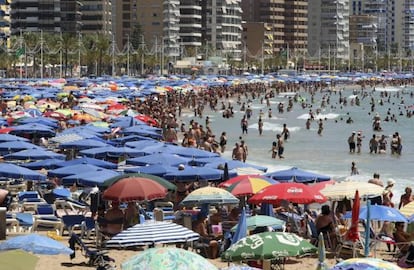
<point>95,257</point>
<point>70,222</point>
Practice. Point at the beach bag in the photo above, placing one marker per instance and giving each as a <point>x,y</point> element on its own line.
<point>410,256</point>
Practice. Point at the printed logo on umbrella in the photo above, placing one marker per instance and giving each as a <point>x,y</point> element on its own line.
<point>294,190</point>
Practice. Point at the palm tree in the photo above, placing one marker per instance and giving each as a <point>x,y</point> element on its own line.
<point>67,43</point>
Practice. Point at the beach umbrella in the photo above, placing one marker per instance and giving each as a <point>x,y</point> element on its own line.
<point>367,229</point>
<point>190,173</point>
<point>34,154</point>
<point>156,169</point>
<point>42,164</point>
<point>35,129</point>
<point>297,175</point>
<point>262,221</point>
<point>73,169</point>
<point>321,253</point>
<point>321,185</point>
<point>353,233</point>
<point>158,158</point>
<point>239,267</point>
<point>88,160</point>
<point>168,185</point>
<point>91,178</point>
<point>346,189</point>
<point>18,260</point>
<point>249,178</point>
<point>211,195</point>
<point>10,138</point>
<point>408,209</point>
<point>37,244</point>
<point>292,192</point>
<point>241,230</point>
<point>82,144</point>
<point>249,186</point>
<point>365,264</point>
<point>15,146</point>
<point>152,233</point>
<point>167,259</point>
<point>16,172</point>
<point>267,209</point>
<point>134,189</point>
<point>381,213</point>
<point>268,246</point>
<point>55,115</point>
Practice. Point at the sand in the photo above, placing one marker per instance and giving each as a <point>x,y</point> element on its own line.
<point>80,262</point>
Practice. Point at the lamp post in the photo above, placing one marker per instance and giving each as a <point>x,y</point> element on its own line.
<point>142,54</point>
<point>79,52</point>
<point>41,54</point>
<point>113,56</point>
<point>128,61</point>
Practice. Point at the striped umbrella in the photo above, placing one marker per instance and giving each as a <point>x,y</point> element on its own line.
<point>249,186</point>
<point>346,189</point>
<point>151,233</point>
<point>408,209</point>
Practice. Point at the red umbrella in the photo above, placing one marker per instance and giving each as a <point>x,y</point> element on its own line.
<point>56,115</point>
<point>147,119</point>
<point>135,189</point>
<point>353,233</point>
<point>292,192</point>
<point>5,130</point>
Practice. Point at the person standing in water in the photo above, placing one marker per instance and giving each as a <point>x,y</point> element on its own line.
<point>320,127</point>
<point>260,126</point>
<point>280,147</point>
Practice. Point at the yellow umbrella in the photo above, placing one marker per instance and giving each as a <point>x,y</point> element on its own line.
<point>18,259</point>
<point>346,189</point>
<point>408,209</point>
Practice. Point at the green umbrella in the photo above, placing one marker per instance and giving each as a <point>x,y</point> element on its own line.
<point>321,254</point>
<point>167,259</point>
<point>261,221</point>
<point>268,246</point>
<point>18,259</point>
<point>168,185</point>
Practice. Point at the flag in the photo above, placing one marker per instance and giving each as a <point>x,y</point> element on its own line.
<point>19,52</point>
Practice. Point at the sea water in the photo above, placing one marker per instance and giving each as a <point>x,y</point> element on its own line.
<point>327,154</point>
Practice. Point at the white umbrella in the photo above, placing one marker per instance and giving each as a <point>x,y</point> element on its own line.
<point>151,233</point>
<point>346,189</point>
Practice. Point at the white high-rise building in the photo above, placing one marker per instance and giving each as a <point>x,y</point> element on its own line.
<point>328,29</point>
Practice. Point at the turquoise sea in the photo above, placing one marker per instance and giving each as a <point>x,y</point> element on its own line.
<point>327,154</point>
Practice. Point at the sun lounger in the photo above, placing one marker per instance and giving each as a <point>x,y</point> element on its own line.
<point>70,222</point>
<point>25,221</point>
<point>45,218</point>
<point>12,222</point>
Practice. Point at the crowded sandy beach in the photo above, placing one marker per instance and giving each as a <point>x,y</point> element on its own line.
<point>211,167</point>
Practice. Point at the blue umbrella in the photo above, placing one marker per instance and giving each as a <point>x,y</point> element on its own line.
<point>71,170</point>
<point>34,129</point>
<point>267,210</point>
<point>194,173</point>
<point>13,171</point>
<point>61,192</point>
<point>367,229</point>
<point>194,152</point>
<point>156,169</point>
<point>34,154</point>
<point>297,175</point>
<point>10,138</point>
<point>241,231</point>
<point>91,179</point>
<point>39,120</point>
<point>37,244</point>
<point>42,164</point>
<point>14,146</point>
<point>82,144</point>
<point>142,143</point>
<point>87,160</point>
<point>380,213</point>
<point>232,164</point>
<point>159,158</point>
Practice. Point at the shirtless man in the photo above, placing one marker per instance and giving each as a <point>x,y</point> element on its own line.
<point>406,198</point>
<point>377,181</point>
<point>237,152</point>
<point>280,147</point>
